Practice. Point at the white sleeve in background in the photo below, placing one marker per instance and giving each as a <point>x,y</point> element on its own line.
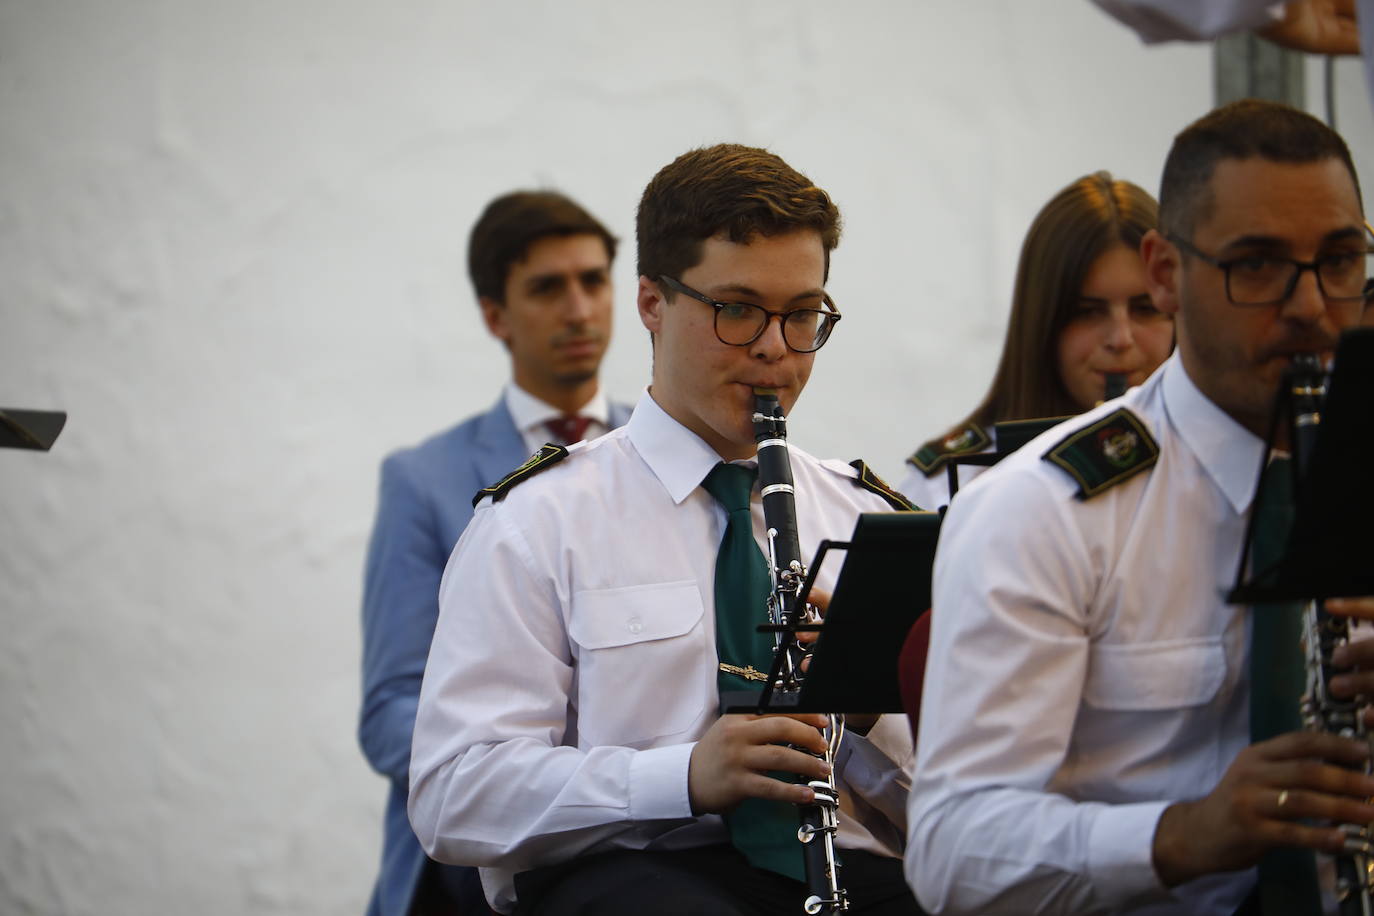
<point>876,768</point>
<point>1191,20</point>
<point>932,492</point>
<point>928,493</point>
<point>1202,20</point>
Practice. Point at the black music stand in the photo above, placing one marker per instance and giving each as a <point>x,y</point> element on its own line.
<point>36,430</point>
<point>1329,552</point>
<point>882,588</point>
<point>1009,435</point>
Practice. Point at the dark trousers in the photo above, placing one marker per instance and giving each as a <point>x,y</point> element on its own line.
<point>449,890</point>
<point>714,879</point>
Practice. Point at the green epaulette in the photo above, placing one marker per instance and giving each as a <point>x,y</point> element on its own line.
<point>932,456</point>
<point>1110,451</point>
<point>546,457</point>
<point>1012,434</point>
<point>875,484</point>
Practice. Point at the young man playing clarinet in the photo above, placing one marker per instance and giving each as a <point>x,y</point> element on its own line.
<point>569,739</point>
<point>1101,732</point>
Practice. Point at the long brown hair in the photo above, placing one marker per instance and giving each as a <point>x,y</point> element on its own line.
<point>1089,217</point>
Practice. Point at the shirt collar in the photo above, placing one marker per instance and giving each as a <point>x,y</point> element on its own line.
<point>529,412</point>
<point>678,457</point>
<point>1228,452</point>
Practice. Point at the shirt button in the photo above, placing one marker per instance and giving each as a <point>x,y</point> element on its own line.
<point>636,625</point>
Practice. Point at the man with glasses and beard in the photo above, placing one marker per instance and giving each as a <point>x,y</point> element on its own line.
<point>1100,731</point>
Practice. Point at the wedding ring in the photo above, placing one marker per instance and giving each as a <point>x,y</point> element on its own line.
<point>1283,798</point>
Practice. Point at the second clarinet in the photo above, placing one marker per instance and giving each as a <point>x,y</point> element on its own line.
<point>1322,634</point>
<point>787,610</point>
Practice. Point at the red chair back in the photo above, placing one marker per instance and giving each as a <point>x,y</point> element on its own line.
<point>911,669</point>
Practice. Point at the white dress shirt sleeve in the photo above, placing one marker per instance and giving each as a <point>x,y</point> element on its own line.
<point>491,782</point>
<point>1004,679</point>
<point>877,769</point>
<point>1191,20</point>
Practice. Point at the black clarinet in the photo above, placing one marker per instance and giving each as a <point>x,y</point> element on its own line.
<point>786,610</point>
<point>1322,634</point>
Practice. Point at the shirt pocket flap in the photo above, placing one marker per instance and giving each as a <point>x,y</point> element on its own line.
<point>609,617</point>
<point>1172,674</point>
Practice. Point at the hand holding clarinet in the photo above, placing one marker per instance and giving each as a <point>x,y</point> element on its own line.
<point>1311,788</point>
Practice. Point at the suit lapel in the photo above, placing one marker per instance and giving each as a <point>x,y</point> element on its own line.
<point>499,448</point>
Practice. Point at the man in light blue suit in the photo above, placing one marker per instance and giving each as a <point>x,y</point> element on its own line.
<point>540,265</point>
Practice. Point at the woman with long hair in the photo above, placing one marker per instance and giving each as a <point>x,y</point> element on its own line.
<point>1079,313</point>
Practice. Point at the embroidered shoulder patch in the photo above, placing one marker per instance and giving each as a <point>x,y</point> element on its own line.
<point>546,457</point>
<point>875,484</point>
<point>1110,451</point>
<point>932,456</point>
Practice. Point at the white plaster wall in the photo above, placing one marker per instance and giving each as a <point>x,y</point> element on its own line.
<point>231,242</point>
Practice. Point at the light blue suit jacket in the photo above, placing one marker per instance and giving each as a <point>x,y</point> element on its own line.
<point>424,504</point>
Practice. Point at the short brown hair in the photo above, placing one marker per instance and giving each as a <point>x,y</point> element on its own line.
<point>1079,224</point>
<point>513,222</point>
<point>731,190</point>
<point>1247,129</point>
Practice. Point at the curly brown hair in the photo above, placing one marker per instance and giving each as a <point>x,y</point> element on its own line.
<point>726,190</point>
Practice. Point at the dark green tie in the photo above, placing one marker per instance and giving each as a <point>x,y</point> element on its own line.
<point>1287,877</point>
<point>765,831</point>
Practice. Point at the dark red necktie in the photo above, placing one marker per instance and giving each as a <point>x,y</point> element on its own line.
<point>568,429</point>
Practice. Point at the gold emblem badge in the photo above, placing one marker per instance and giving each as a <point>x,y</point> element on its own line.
<point>1118,445</point>
<point>960,440</point>
<point>748,672</point>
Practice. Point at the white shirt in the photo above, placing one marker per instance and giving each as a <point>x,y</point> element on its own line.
<point>1085,671</point>
<point>930,492</point>
<point>574,663</point>
<point>529,414</point>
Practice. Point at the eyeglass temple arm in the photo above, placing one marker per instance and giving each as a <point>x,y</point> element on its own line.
<point>1369,282</point>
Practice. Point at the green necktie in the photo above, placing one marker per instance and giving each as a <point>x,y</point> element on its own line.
<point>1287,877</point>
<point>765,831</point>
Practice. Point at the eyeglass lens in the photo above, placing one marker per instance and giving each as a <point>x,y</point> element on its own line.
<point>802,329</point>
<point>1259,281</point>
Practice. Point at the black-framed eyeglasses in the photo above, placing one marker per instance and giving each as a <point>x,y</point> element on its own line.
<point>1256,279</point>
<point>741,323</point>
